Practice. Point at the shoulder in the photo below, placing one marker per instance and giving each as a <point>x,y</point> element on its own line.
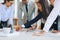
<point>1,5</point>
<point>32,4</point>
<point>20,5</point>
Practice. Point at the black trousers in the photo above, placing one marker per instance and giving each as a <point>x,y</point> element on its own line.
<point>0,24</point>
<point>3,24</point>
<point>29,23</point>
<point>42,26</point>
<point>54,26</point>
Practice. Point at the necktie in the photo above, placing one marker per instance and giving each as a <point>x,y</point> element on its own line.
<point>27,11</point>
<point>26,8</point>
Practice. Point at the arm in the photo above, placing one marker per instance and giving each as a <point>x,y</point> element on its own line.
<point>11,15</point>
<point>51,18</point>
<point>0,12</point>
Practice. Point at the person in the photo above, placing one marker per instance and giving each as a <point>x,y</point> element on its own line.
<point>26,10</point>
<point>41,14</point>
<point>51,18</point>
<point>41,22</point>
<point>53,15</point>
<point>55,24</point>
<point>0,21</point>
<point>6,13</point>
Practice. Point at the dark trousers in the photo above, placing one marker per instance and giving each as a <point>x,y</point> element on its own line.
<point>28,24</point>
<point>3,24</point>
<point>0,24</point>
<point>42,26</point>
<point>54,26</point>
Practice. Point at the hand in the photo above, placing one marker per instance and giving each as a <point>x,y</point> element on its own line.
<point>39,33</point>
<point>38,27</point>
<point>55,31</point>
<point>18,28</point>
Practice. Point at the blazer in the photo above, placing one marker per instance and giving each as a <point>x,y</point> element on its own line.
<point>23,13</point>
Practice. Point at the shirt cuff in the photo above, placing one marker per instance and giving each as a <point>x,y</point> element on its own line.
<point>23,26</point>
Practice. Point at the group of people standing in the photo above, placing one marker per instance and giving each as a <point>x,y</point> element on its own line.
<point>39,13</point>
<point>43,11</point>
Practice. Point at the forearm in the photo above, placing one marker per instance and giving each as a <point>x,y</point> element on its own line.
<point>10,21</point>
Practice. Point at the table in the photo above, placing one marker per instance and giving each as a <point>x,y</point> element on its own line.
<point>28,36</point>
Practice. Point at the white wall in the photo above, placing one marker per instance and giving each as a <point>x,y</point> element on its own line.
<point>1,1</point>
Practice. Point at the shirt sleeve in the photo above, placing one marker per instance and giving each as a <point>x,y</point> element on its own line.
<point>51,18</point>
<point>12,11</point>
<point>11,15</point>
<point>0,12</point>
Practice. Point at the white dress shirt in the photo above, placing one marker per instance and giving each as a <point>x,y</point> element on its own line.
<point>6,13</point>
<point>53,15</point>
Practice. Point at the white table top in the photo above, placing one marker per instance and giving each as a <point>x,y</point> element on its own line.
<point>28,36</point>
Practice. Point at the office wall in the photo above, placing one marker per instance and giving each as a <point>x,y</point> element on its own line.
<point>1,1</point>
